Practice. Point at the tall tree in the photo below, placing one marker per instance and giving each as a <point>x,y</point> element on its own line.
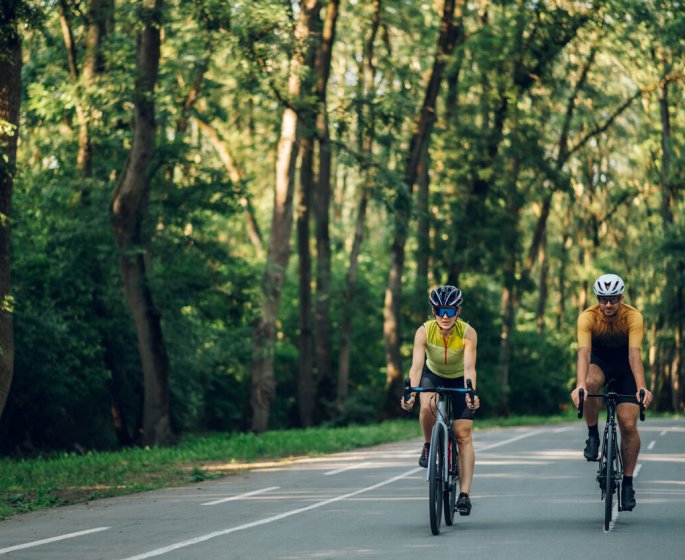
<point>10,103</point>
<point>306,389</point>
<point>129,205</point>
<point>325,384</point>
<point>366,127</point>
<point>263,384</point>
<point>420,137</point>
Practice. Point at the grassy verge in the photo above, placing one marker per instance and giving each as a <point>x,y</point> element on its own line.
<point>32,484</point>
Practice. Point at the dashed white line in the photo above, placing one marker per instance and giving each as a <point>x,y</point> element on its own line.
<point>241,496</point>
<point>343,469</point>
<point>51,540</point>
<point>208,536</point>
<point>663,433</point>
<point>510,440</point>
<point>651,444</point>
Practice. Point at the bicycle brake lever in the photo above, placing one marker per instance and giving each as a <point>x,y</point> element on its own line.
<point>642,405</point>
<point>581,401</point>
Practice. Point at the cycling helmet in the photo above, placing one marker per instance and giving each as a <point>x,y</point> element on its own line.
<point>609,285</point>
<point>446,296</point>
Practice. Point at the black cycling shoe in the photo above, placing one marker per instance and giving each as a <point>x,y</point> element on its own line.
<point>423,459</point>
<point>591,448</point>
<point>463,504</point>
<point>627,498</point>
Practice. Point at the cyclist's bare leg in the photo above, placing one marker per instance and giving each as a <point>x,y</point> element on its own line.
<point>630,437</point>
<point>593,382</point>
<point>463,431</point>
<point>427,414</point>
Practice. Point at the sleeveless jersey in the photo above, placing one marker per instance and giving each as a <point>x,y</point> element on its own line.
<point>445,359</point>
<point>611,337</point>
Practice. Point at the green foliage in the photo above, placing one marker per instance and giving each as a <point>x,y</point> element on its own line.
<point>495,157</point>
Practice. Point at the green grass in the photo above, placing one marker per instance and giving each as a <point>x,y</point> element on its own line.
<point>68,478</point>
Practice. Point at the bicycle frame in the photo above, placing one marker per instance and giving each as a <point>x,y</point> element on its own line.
<point>443,455</point>
<point>610,468</point>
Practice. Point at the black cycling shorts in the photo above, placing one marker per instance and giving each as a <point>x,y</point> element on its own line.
<point>430,380</point>
<point>618,377</point>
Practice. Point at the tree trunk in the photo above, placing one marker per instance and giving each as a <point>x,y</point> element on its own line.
<point>128,212</point>
<point>365,145</point>
<point>326,387</point>
<point>423,241</point>
<point>10,103</point>
<point>263,387</point>
<point>419,140</point>
<point>542,284</point>
<point>305,376</point>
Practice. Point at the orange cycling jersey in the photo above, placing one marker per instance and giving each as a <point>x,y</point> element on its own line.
<point>610,337</point>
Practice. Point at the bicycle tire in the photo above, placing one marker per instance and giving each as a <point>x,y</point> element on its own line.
<point>435,474</point>
<point>449,497</point>
<point>608,488</point>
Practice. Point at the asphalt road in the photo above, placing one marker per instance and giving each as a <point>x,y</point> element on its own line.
<point>534,496</point>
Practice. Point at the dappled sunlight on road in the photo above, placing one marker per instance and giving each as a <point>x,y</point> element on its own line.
<point>667,457</point>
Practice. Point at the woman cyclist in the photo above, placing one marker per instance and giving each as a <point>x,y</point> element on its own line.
<point>445,356</point>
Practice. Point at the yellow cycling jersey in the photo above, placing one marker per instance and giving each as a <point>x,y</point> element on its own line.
<point>445,358</point>
<point>610,337</point>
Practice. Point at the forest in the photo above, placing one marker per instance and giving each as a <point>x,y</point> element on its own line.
<point>219,215</point>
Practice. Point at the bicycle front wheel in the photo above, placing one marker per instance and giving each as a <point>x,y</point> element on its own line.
<point>609,481</point>
<point>451,488</point>
<point>435,473</point>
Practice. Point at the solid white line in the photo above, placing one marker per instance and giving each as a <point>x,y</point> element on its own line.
<point>343,469</point>
<point>208,536</point>
<point>651,444</point>
<point>241,496</point>
<point>52,539</point>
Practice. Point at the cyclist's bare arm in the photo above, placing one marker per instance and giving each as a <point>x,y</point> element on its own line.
<point>417,360</point>
<point>470,347</point>
<point>638,369</point>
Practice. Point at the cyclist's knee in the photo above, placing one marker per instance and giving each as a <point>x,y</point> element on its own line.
<point>464,434</point>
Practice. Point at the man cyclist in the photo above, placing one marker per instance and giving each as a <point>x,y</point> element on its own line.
<point>445,356</point>
<point>609,350</point>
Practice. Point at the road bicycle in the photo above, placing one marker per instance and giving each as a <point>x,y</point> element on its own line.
<point>443,458</point>
<point>610,462</point>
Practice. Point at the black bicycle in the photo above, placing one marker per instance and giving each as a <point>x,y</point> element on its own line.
<point>443,459</point>
<point>610,468</point>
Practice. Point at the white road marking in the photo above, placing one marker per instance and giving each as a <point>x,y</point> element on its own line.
<point>663,433</point>
<point>614,509</point>
<point>614,515</point>
<point>208,536</point>
<point>510,440</point>
<point>343,469</point>
<point>560,430</point>
<point>651,445</point>
<point>241,496</point>
<point>52,539</point>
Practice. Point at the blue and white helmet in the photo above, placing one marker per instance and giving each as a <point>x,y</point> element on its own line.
<point>446,296</point>
<point>609,285</point>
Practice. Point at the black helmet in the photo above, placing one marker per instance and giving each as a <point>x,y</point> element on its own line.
<point>446,296</point>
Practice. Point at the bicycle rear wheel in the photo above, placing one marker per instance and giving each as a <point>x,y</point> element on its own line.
<point>435,470</point>
<point>609,481</point>
<point>449,497</point>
